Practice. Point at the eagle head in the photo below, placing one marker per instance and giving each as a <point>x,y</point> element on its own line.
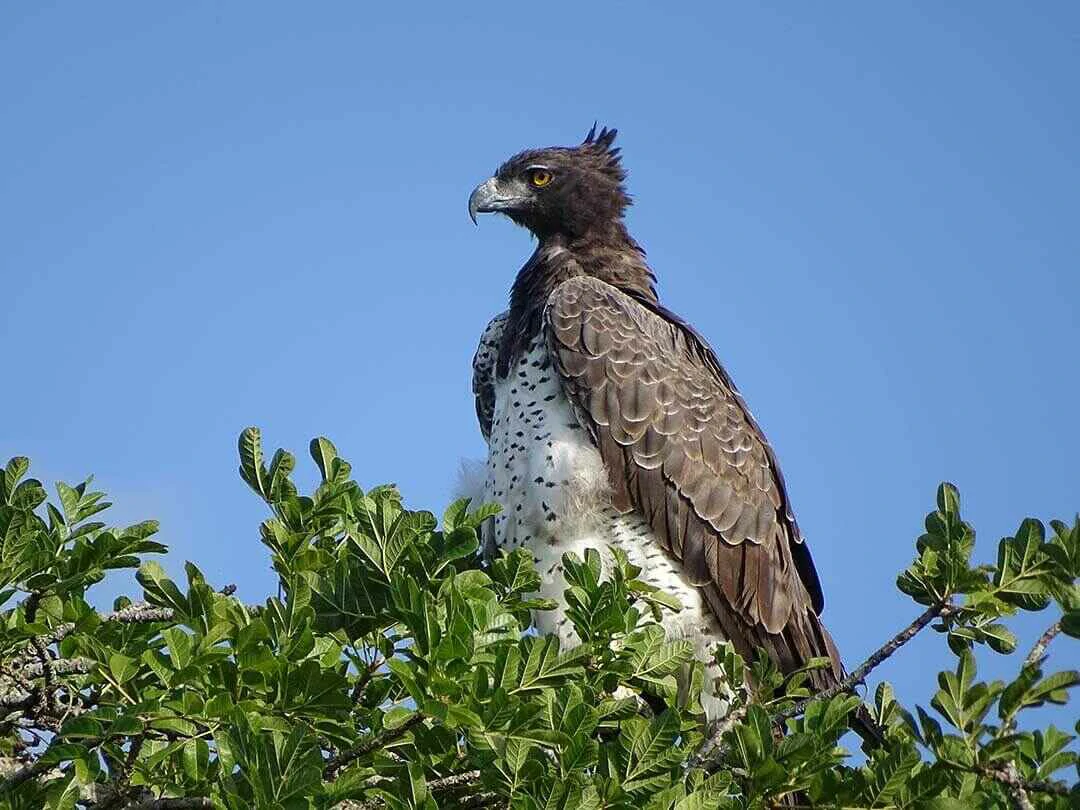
<point>568,190</point>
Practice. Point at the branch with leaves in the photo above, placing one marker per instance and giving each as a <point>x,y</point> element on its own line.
<point>395,668</point>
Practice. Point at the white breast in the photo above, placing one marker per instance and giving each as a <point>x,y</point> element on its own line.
<point>546,473</point>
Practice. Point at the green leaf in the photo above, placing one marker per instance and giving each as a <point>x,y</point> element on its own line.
<point>323,452</point>
<point>1000,638</point>
<point>252,467</point>
<point>14,471</point>
<point>122,668</point>
<point>545,666</point>
<point>1070,623</point>
<point>69,500</point>
<point>160,590</point>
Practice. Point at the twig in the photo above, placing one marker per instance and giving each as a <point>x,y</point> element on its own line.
<point>858,675</point>
<point>1008,776</point>
<point>1039,650</point>
<point>59,666</point>
<point>336,763</point>
<point>41,649</point>
<point>471,802</point>
<point>364,679</point>
<point>939,610</point>
<point>137,613</point>
<point>443,785</point>
<point>733,718</point>
<point>23,774</point>
<point>45,696</point>
<point>16,701</point>
<point>123,783</point>
<point>467,780</point>
<point>454,781</point>
<point>197,803</point>
<point>478,800</point>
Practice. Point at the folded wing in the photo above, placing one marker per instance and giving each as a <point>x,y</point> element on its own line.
<point>681,447</point>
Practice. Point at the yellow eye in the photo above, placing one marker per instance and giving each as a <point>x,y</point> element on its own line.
<point>540,177</point>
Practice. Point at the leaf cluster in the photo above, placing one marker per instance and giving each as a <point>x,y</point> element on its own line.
<point>396,667</point>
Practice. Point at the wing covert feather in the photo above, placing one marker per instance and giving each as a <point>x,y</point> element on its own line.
<point>681,447</point>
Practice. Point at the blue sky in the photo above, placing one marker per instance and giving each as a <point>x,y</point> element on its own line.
<point>221,215</point>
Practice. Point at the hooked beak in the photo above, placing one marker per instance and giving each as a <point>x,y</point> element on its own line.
<point>492,195</point>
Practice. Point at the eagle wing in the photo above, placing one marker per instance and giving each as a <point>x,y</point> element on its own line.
<point>483,383</point>
<point>681,447</point>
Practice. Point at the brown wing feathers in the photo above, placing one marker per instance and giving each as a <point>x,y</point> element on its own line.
<point>680,447</point>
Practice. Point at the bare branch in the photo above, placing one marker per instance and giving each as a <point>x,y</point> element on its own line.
<point>858,675</point>
<point>454,781</point>
<point>122,785</point>
<point>365,678</point>
<point>135,613</point>
<point>1008,776</point>
<point>18,701</point>
<point>1039,650</point>
<point>59,666</point>
<point>939,610</point>
<point>733,718</point>
<point>443,787</point>
<point>197,803</point>
<point>45,696</point>
<point>23,774</point>
<point>336,763</point>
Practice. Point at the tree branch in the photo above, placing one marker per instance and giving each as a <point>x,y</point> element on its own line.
<point>858,675</point>
<point>23,774</point>
<point>1039,650</point>
<point>1011,778</point>
<point>1008,776</point>
<point>455,781</point>
<point>197,803</point>
<point>336,763</point>
<point>732,719</point>
<point>140,613</point>
<point>59,666</point>
<point>445,785</point>
<point>939,610</point>
<point>18,701</point>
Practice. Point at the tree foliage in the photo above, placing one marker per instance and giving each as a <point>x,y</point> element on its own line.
<point>395,668</point>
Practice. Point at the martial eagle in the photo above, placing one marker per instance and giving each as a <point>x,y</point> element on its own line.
<point>610,423</point>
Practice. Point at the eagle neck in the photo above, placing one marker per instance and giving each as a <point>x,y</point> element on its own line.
<point>610,255</point>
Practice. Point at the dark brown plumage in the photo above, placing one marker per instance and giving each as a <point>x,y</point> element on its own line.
<point>678,443</point>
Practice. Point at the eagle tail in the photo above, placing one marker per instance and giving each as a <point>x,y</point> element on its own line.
<point>802,638</point>
<point>863,724</point>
